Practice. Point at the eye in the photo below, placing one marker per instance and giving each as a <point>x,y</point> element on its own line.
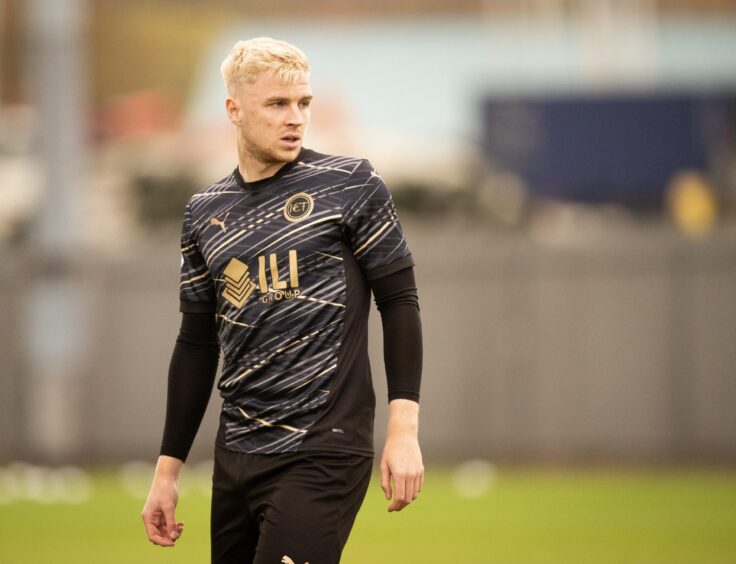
<point>305,103</point>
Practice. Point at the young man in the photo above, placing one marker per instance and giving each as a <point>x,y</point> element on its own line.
<point>278,262</point>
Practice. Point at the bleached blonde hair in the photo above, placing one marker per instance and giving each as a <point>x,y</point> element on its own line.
<point>262,54</point>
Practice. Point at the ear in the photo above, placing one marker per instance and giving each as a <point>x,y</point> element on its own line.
<point>234,111</point>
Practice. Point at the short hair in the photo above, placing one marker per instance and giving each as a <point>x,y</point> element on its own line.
<point>262,54</point>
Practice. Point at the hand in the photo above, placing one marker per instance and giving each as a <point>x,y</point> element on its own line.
<point>158,512</point>
<point>401,462</point>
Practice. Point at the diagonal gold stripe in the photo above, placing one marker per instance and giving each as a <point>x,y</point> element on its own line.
<point>269,424</point>
<point>303,297</point>
<point>277,351</point>
<point>213,194</point>
<point>331,256</point>
<point>185,249</point>
<point>244,374</point>
<point>237,234</point>
<point>194,278</point>
<point>226,318</point>
<point>376,234</point>
<point>302,163</point>
<point>315,377</point>
<point>305,226</point>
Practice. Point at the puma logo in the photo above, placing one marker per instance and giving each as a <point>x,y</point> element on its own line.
<point>286,560</point>
<point>221,223</point>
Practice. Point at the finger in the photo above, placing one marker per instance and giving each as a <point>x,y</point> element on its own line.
<point>410,493</point>
<point>155,534</point>
<point>400,487</point>
<point>161,526</point>
<point>162,540</point>
<point>399,493</point>
<point>415,488</point>
<point>171,522</point>
<point>385,481</point>
<point>411,489</point>
<point>421,480</point>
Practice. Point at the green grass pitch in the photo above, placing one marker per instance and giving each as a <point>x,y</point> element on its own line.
<point>527,516</point>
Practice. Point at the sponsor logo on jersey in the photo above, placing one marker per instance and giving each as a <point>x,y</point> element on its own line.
<point>298,207</point>
<point>239,285</point>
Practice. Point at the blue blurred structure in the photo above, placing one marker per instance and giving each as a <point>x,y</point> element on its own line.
<point>622,148</point>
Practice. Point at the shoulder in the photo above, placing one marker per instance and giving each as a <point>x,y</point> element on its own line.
<point>202,204</point>
<point>224,186</point>
<point>203,198</point>
<point>332,165</point>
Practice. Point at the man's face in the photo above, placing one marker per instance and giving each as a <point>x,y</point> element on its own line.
<point>271,116</point>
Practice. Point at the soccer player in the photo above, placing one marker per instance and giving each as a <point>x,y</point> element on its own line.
<point>279,259</point>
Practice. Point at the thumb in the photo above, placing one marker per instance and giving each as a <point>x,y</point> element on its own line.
<point>385,481</point>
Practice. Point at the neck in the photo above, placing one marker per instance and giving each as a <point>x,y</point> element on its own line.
<point>252,168</point>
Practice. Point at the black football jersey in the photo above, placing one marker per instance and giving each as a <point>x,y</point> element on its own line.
<point>285,263</point>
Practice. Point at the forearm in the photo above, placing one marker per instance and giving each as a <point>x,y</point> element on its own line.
<point>403,418</point>
<point>167,467</point>
<point>397,302</point>
<point>191,375</point>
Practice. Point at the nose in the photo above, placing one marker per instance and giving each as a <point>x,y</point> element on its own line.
<point>296,115</point>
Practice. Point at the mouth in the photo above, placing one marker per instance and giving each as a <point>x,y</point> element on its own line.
<point>291,140</point>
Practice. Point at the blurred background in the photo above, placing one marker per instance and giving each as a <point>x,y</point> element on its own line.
<point>565,172</point>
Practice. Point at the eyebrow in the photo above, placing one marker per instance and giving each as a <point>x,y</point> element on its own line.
<point>285,99</point>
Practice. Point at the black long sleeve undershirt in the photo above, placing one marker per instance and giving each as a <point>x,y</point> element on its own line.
<point>196,355</point>
<point>397,302</point>
<point>191,376</point>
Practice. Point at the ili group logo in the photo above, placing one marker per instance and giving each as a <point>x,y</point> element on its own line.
<point>239,285</point>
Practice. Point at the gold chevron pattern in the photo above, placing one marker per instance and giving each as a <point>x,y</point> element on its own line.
<point>238,283</point>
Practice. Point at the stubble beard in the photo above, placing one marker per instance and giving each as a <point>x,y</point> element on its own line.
<point>264,155</point>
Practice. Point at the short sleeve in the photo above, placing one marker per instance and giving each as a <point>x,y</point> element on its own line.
<point>371,225</point>
<point>196,289</point>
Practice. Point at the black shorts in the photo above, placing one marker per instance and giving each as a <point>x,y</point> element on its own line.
<point>283,508</point>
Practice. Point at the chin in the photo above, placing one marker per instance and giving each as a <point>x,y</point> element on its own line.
<point>287,155</point>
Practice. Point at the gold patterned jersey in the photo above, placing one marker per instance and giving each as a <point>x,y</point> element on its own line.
<point>285,263</point>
